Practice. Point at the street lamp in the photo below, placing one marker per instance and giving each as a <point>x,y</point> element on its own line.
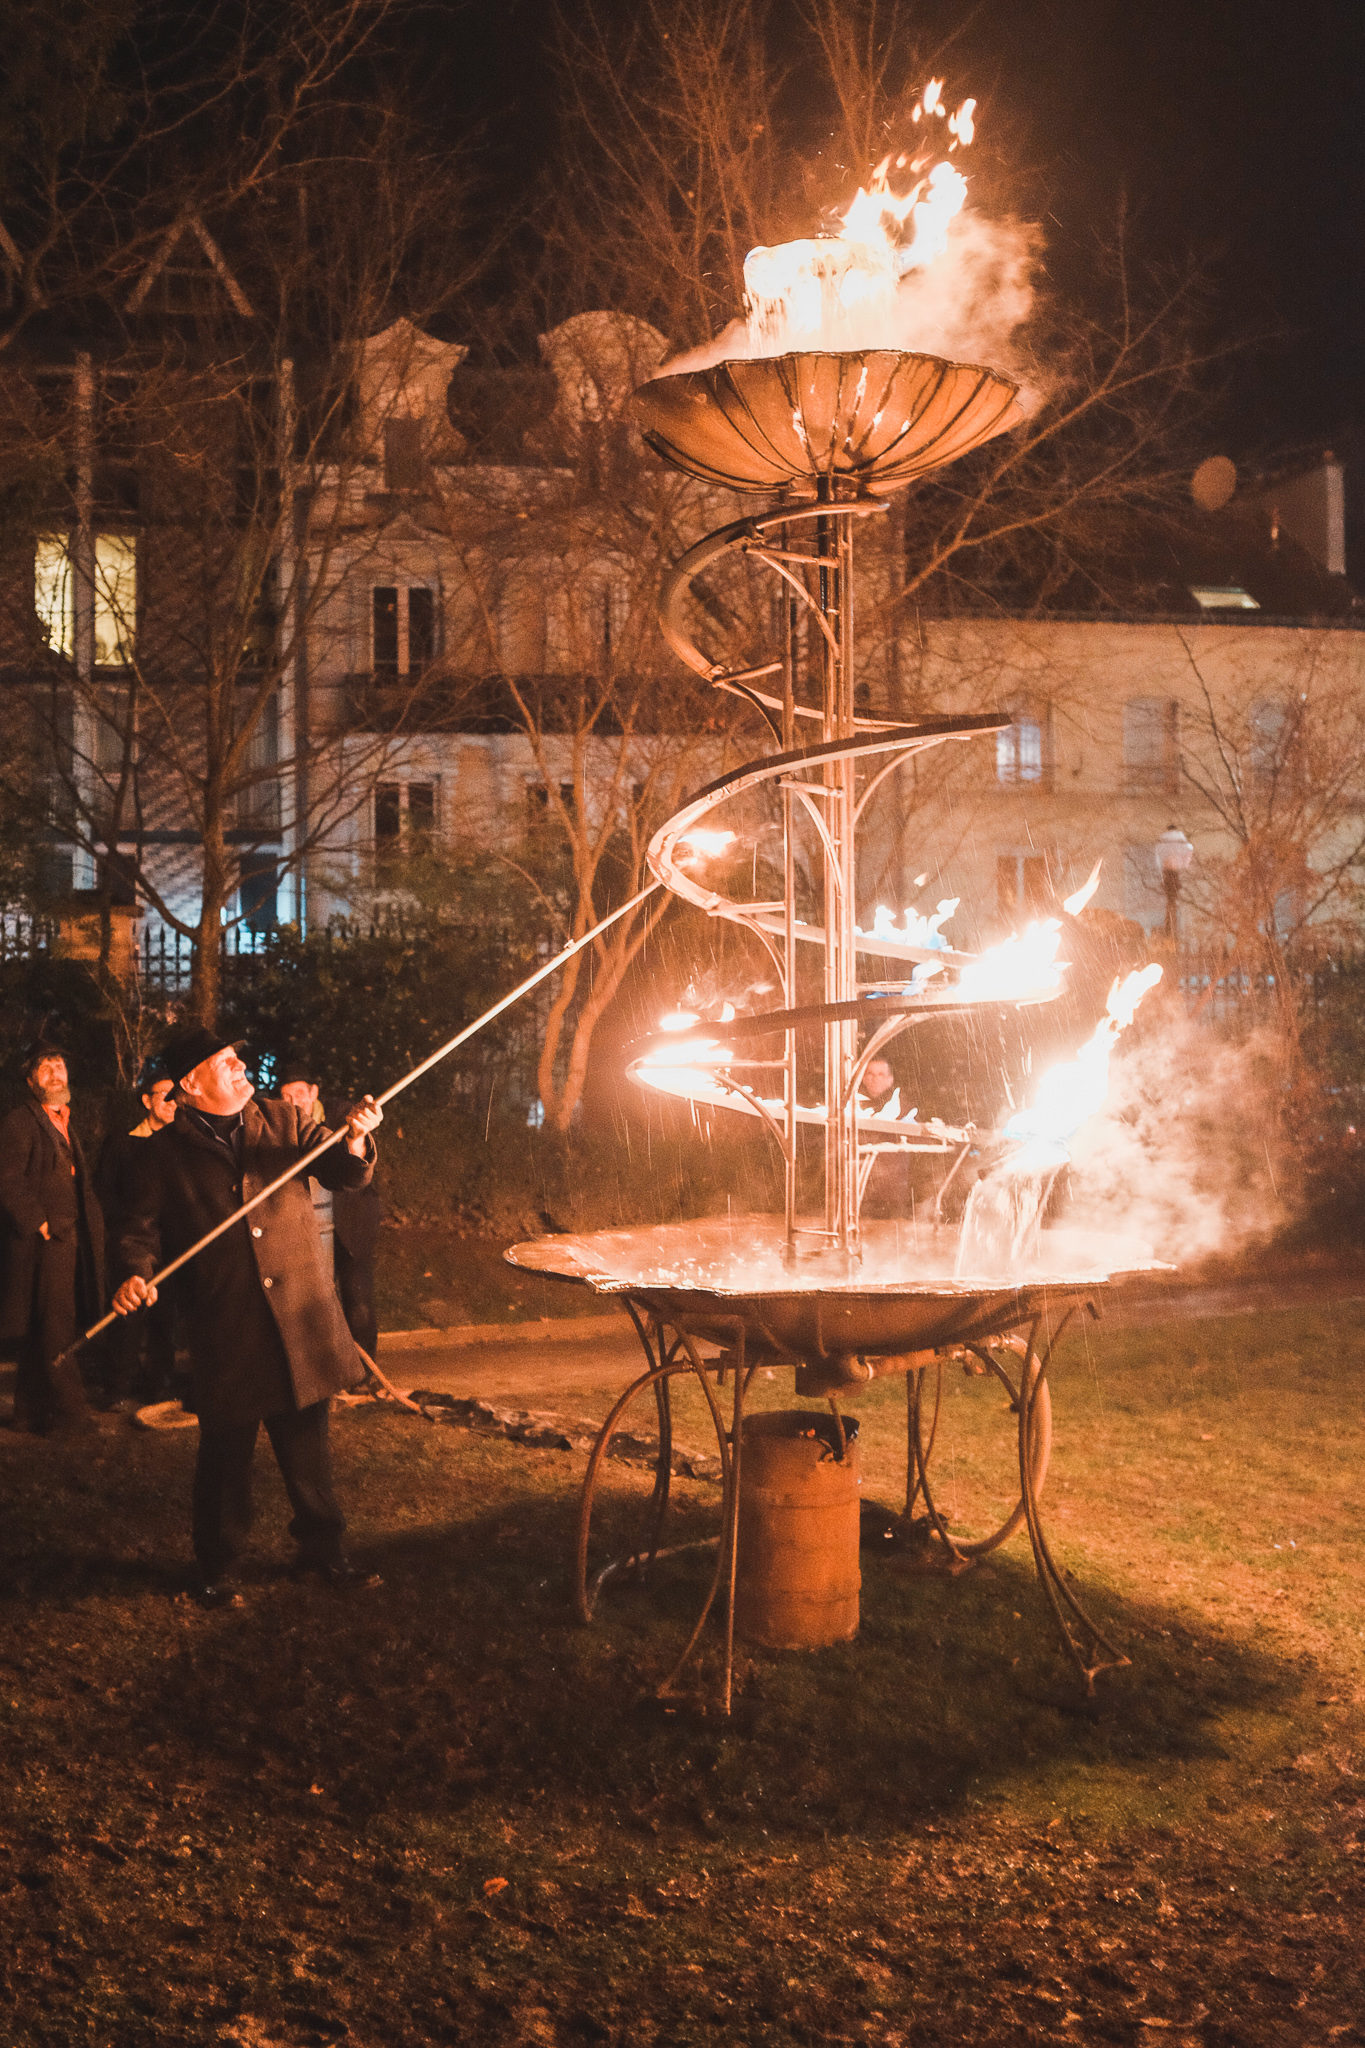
<point>1174,852</point>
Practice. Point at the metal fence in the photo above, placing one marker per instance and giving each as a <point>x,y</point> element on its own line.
<point>24,937</point>
<point>165,958</point>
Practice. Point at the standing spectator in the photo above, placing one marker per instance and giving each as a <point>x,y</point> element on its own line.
<point>353,1220</point>
<point>889,1191</point>
<point>267,1337</point>
<point>141,1351</point>
<point>55,1268</point>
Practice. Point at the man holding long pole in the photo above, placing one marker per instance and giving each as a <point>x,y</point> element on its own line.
<point>268,1340</point>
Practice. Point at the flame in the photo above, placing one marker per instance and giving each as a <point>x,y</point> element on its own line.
<point>839,291</point>
<point>678,1020</point>
<point>914,929</point>
<point>1023,966</point>
<point>1075,904</point>
<point>703,842</point>
<point>1070,1093</point>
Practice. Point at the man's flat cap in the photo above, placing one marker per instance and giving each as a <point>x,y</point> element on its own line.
<point>187,1049</point>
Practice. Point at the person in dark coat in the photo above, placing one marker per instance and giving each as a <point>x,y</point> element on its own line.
<point>141,1351</point>
<point>354,1221</point>
<point>267,1337</point>
<point>55,1265</point>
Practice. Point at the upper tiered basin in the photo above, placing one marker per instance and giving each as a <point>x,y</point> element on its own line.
<point>876,419</point>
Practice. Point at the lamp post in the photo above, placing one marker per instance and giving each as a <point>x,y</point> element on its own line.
<point>1174,852</point>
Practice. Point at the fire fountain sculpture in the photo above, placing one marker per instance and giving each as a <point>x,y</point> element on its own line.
<point>840,1299</point>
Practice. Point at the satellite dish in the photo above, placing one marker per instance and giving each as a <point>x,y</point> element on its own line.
<point>1213,483</point>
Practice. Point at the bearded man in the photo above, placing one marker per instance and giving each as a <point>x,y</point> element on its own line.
<point>267,1338</point>
<point>54,1282</point>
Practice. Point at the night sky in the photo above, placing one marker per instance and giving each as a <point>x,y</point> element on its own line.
<point>1231,130</point>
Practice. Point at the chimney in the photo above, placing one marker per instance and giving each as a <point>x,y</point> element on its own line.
<point>1311,509</point>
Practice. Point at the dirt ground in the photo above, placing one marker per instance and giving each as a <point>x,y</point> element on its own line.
<point>443,1812</point>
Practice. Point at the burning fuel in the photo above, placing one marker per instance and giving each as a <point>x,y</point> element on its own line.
<point>907,266</point>
<point>1005,1209</point>
<point>1072,1092</point>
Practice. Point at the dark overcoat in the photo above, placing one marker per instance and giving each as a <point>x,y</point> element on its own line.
<point>38,1185</point>
<point>266,1331</point>
<point>356,1213</point>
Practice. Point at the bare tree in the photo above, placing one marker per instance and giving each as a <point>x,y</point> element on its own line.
<point>179,743</point>
<point>1279,769</point>
<point>554,619</point>
<point>129,101</point>
<point>683,146</point>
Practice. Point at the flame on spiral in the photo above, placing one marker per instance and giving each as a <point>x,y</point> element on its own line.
<point>1070,1093</point>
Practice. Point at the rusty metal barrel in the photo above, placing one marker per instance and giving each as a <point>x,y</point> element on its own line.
<point>797,1579</point>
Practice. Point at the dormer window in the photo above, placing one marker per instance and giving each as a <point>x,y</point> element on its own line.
<point>403,465</point>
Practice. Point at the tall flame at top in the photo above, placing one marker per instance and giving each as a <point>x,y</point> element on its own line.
<point>906,266</point>
<point>841,291</point>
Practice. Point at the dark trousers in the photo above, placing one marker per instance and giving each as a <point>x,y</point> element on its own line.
<point>140,1360</point>
<point>49,1396</point>
<point>222,1487</point>
<point>355,1287</point>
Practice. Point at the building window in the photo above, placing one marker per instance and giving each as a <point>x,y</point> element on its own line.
<point>384,615</point>
<point>421,816</point>
<point>1023,886</point>
<point>52,598</point>
<point>403,466</point>
<point>404,820</point>
<point>1021,750</point>
<point>113,585</point>
<point>538,799</point>
<point>115,599</point>
<point>402,630</point>
<point>421,628</point>
<point>1151,749</point>
<point>1271,736</point>
<point>258,893</point>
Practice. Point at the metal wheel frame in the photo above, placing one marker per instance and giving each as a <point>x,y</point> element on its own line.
<point>666,1364</point>
<point>1089,1649</point>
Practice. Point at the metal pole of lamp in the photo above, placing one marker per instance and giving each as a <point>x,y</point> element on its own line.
<point>1174,852</point>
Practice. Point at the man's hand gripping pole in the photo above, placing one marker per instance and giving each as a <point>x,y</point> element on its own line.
<point>432,1059</point>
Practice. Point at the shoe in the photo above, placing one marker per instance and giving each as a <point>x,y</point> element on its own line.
<point>341,1574</point>
<point>215,1593</point>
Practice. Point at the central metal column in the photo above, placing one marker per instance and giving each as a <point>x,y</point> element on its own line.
<point>834,545</point>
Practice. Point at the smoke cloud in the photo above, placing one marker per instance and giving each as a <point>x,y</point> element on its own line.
<point>1183,1154</point>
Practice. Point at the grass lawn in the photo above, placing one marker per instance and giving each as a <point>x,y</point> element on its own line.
<point>442,1812</point>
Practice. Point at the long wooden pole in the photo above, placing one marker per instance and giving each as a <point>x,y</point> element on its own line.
<point>303,1164</point>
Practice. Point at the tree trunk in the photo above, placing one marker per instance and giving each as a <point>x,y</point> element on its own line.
<point>206,973</point>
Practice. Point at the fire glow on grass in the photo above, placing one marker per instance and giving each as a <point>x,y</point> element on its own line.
<point>841,292</point>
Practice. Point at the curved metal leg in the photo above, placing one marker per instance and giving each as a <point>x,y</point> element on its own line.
<point>665,1366</point>
<point>726,1557</point>
<point>919,1448</point>
<point>1074,1625</point>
